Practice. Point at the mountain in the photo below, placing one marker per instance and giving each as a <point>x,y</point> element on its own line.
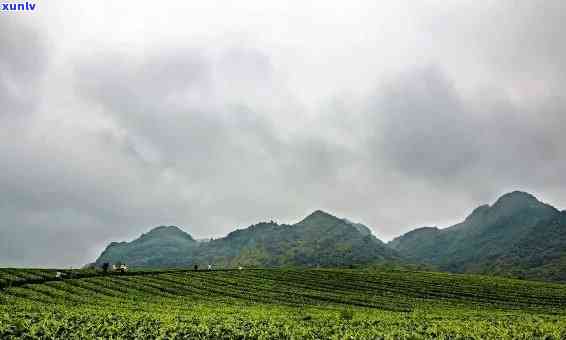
<point>540,255</point>
<point>162,246</point>
<point>518,235</point>
<point>318,240</point>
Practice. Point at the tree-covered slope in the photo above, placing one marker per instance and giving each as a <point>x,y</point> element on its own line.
<point>162,246</point>
<point>518,235</point>
<point>512,228</point>
<point>318,240</point>
<point>539,255</point>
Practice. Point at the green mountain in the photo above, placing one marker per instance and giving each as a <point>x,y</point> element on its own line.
<point>318,240</point>
<point>518,235</point>
<point>541,254</point>
<point>162,246</point>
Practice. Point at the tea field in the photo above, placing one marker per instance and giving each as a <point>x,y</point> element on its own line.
<point>277,304</point>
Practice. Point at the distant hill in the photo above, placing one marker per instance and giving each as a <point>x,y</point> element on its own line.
<point>318,240</point>
<point>518,235</point>
<point>162,246</point>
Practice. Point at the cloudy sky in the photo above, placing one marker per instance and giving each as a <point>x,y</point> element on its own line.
<point>116,117</point>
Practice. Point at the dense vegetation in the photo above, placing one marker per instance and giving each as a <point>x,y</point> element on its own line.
<point>319,240</point>
<point>161,247</point>
<point>518,236</point>
<point>279,304</point>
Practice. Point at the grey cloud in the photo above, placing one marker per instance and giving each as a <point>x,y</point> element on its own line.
<point>23,58</point>
<point>220,142</point>
<point>69,198</point>
<point>66,194</point>
<point>212,138</point>
<point>426,130</point>
<point>516,44</point>
<point>172,104</point>
<point>529,44</point>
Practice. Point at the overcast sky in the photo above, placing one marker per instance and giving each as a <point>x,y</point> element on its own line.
<point>119,116</point>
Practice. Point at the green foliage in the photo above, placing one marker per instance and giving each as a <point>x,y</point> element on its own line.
<point>282,304</point>
<point>161,247</point>
<point>346,314</point>
<point>319,240</point>
<point>518,236</point>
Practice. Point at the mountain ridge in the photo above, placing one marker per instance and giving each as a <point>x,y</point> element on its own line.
<point>488,238</point>
<point>517,235</point>
<point>319,239</point>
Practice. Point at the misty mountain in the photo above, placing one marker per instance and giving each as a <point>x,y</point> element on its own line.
<point>518,235</point>
<point>318,240</point>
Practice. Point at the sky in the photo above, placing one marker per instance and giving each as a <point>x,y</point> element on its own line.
<point>116,117</point>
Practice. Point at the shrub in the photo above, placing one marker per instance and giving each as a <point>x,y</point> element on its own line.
<point>346,314</point>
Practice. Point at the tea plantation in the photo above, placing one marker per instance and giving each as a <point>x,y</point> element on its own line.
<point>277,304</point>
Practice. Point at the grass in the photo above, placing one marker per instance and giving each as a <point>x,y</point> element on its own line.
<point>278,304</point>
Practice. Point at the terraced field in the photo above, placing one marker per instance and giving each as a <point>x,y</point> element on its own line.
<point>277,304</point>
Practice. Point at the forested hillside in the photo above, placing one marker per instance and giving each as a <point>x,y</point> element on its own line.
<point>518,236</point>
<point>318,240</point>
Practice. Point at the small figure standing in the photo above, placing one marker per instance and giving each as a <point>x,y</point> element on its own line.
<point>105,267</point>
<point>209,267</point>
<point>196,267</point>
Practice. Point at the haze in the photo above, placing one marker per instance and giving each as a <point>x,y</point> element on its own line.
<point>116,117</point>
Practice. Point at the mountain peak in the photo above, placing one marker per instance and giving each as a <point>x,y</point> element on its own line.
<point>517,196</point>
<point>166,231</point>
<point>321,218</point>
<point>507,205</point>
<point>517,200</point>
<point>478,212</point>
<point>318,215</point>
<point>319,239</point>
<point>321,213</point>
<point>163,244</point>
